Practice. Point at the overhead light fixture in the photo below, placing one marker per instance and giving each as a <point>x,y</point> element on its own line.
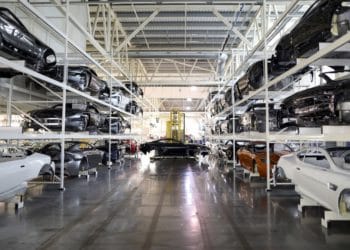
<point>188,108</point>
<point>194,88</point>
<point>189,99</point>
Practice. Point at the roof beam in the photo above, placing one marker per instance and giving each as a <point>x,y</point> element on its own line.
<point>188,65</point>
<point>232,28</point>
<point>133,34</point>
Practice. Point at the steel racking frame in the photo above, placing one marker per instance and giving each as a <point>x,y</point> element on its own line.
<point>63,136</point>
<point>343,132</point>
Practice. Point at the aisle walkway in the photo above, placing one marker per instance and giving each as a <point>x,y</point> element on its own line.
<point>173,204</point>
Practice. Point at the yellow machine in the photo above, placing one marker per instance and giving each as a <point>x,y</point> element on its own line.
<point>175,127</point>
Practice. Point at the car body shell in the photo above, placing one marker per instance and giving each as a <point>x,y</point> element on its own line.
<point>16,42</point>
<point>324,21</point>
<point>117,150</point>
<point>120,98</point>
<point>321,105</point>
<point>253,158</point>
<point>79,77</point>
<point>227,148</point>
<point>226,126</point>
<point>118,124</point>
<point>254,118</point>
<point>171,147</point>
<point>134,88</point>
<point>319,176</point>
<point>78,118</point>
<point>79,156</point>
<point>216,105</point>
<point>17,167</point>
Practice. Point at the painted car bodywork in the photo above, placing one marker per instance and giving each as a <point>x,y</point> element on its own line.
<point>324,21</point>
<point>77,118</point>
<point>171,147</point>
<point>79,156</point>
<point>253,158</point>
<point>16,42</point>
<point>322,175</point>
<point>17,167</point>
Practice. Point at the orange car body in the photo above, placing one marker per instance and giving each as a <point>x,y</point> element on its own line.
<point>255,160</point>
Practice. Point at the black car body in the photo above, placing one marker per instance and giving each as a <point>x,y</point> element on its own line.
<point>321,105</point>
<point>16,42</point>
<point>254,118</point>
<point>226,126</point>
<point>227,148</point>
<point>133,108</point>
<point>116,153</point>
<point>324,21</point>
<point>171,147</point>
<point>211,95</point>
<point>78,157</point>
<point>79,77</point>
<point>78,118</point>
<point>134,88</point>
<point>216,105</point>
<point>243,86</point>
<point>118,124</point>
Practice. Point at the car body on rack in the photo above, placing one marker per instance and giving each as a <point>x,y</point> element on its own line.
<point>171,147</point>
<point>327,104</point>
<point>78,118</point>
<point>118,123</point>
<point>17,166</point>
<point>16,42</point>
<point>116,152</point>
<point>324,21</point>
<point>82,78</point>
<point>253,119</point>
<point>225,126</point>
<point>78,157</point>
<point>227,148</point>
<point>134,88</point>
<point>133,108</point>
<point>217,107</point>
<point>322,175</point>
<point>120,98</point>
<point>253,157</point>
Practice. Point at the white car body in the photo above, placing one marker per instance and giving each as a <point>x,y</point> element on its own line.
<point>16,169</point>
<point>119,100</point>
<point>321,175</point>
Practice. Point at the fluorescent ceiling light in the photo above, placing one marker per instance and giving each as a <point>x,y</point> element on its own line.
<point>193,88</point>
<point>188,108</point>
<point>189,99</point>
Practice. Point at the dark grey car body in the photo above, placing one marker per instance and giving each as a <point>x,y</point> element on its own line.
<point>77,119</point>
<point>79,156</point>
<point>79,77</point>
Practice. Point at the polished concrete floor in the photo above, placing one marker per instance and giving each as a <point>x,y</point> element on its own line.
<point>168,204</point>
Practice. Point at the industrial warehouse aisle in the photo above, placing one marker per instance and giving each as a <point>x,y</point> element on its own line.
<point>172,204</point>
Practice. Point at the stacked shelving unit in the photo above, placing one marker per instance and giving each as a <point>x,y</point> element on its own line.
<point>70,49</point>
<point>320,58</point>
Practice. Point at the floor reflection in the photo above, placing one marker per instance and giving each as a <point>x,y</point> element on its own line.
<point>166,204</point>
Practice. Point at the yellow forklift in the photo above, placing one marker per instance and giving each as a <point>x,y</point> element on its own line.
<point>175,127</point>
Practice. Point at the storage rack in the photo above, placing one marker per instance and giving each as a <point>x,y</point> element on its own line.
<point>68,43</point>
<point>324,134</point>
